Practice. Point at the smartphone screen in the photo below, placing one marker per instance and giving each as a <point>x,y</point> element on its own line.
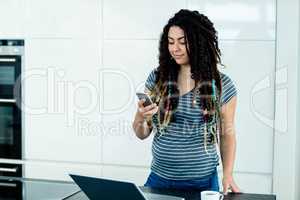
<point>141,96</point>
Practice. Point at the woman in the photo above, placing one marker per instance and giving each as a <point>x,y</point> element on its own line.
<point>193,102</point>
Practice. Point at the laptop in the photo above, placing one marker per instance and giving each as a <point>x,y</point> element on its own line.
<point>99,188</point>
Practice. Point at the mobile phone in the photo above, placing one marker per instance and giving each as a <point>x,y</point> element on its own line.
<point>145,96</point>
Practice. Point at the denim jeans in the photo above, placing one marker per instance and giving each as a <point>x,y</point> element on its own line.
<point>206,183</point>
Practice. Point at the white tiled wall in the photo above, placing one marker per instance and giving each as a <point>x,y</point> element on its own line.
<point>239,19</point>
<point>135,59</point>
<point>63,19</point>
<point>12,18</point>
<point>287,38</point>
<point>133,174</point>
<point>137,19</point>
<point>254,182</point>
<point>104,50</point>
<point>61,76</point>
<point>59,170</point>
<point>132,56</point>
<point>255,110</point>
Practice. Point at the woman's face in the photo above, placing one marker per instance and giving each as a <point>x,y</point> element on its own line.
<point>177,45</point>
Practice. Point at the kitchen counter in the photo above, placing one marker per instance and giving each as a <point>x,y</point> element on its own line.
<point>33,189</point>
<point>195,195</point>
<point>186,194</point>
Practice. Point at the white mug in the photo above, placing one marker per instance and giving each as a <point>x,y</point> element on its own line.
<point>211,195</point>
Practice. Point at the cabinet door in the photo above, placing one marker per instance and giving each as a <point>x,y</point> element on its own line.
<point>63,19</point>
<point>248,51</point>
<point>12,19</point>
<point>137,19</point>
<point>251,66</point>
<point>59,170</point>
<point>119,100</point>
<point>231,19</point>
<point>61,100</point>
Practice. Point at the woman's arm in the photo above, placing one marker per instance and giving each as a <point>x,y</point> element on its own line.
<point>228,144</point>
<point>141,128</point>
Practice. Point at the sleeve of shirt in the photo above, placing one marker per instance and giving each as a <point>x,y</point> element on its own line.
<point>228,89</point>
<point>150,81</point>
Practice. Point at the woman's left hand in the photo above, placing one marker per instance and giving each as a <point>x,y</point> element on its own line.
<point>229,184</point>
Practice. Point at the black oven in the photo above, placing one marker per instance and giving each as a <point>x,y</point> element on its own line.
<point>10,113</point>
<point>11,53</point>
<point>11,190</point>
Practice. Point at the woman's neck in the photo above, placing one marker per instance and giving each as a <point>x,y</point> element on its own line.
<point>185,71</point>
<point>185,82</point>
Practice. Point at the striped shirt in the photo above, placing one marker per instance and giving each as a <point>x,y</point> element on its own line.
<point>180,152</point>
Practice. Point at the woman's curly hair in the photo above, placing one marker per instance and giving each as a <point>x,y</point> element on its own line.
<point>204,55</point>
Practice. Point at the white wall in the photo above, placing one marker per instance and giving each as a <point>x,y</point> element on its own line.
<point>285,143</point>
<point>298,117</point>
<point>97,53</point>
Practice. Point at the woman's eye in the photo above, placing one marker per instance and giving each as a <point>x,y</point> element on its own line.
<point>181,43</point>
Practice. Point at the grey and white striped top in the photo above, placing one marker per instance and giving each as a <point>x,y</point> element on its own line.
<point>179,153</point>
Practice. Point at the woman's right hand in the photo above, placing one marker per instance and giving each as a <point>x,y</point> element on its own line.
<point>144,114</point>
<point>148,111</point>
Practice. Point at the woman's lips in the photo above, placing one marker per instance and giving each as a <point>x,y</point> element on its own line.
<point>177,56</point>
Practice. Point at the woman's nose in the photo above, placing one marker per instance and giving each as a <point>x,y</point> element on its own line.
<point>176,47</point>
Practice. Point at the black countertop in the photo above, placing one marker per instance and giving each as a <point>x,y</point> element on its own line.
<point>12,188</point>
<point>186,194</point>
<point>195,195</point>
<point>33,189</point>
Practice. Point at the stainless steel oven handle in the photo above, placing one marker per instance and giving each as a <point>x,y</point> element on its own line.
<point>8,184</point>
<point>7,60</point>
<point>8,100</point>
<point>14,170</point>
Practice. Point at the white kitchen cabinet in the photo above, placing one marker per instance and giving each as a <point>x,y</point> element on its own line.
<point>138,20</point>
<point>61,99</point>
<point>137,175</point>
<point>248,63</point>
<point>258,183</point>
<point>129,73</point>
<point>12,19</point>
<point>135,58</point>
<point>63,19</point>
<point>59,171</point>
<point>233,21</point>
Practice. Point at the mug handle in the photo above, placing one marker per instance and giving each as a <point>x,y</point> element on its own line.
<point>221,196</point>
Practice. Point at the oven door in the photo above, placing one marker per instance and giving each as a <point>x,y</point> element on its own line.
<point>11,190</point>
<point>10,130</point>
<point>10,70</point>
<point>10,113</point>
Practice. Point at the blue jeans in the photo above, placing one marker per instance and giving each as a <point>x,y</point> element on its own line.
<point>206,183</point>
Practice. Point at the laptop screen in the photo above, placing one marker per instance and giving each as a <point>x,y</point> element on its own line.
<point>97,188</point>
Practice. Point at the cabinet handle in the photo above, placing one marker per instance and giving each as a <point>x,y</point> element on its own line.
<point>8,184</point>
<point>8,101</point>
<point>14,170</point>
<point>7,60</point>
